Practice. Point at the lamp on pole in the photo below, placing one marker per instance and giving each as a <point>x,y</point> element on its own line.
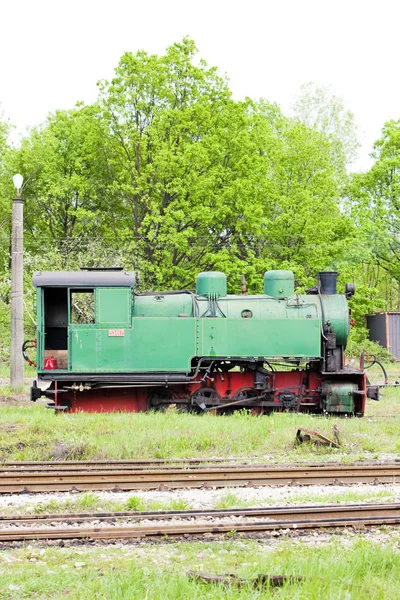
<point>17,287</point>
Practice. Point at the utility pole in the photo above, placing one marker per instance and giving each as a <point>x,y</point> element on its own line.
<point>17,286</point>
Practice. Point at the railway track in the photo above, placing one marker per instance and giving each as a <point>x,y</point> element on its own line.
<point>98,465</point>
<point>128,525</point>
<point>187,476</point>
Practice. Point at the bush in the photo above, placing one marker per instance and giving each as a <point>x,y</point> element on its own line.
<point>358,344</point>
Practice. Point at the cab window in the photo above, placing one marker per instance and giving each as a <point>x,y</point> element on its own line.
<point>82,307</point>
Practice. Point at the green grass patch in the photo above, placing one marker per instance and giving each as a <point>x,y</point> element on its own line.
<point>343,497</point>
<point>52,506</point>
<point>230,499</point>
<point>173,504</point>
<point>29,371</point>
<point>33,433</point>
<point>341,570</point>
<point>90,502</point>
<point>135,503</point>
<point>178,504</point>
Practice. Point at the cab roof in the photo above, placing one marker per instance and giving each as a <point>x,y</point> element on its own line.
<point>83,279</point>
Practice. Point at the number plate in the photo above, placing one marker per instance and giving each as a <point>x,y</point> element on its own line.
<point>116,332</point>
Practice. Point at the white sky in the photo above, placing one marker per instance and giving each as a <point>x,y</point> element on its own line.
<point>52,52</point>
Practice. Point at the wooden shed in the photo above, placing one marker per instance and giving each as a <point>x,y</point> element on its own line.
<point>384,328</point>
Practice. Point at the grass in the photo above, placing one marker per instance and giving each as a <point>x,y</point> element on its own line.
<point>178,504</point>
<point>89,502</point>
<point>28,371</point>
<point>346,569</point>
<point>230,500</point>
<point>136,503</point>
<point>52,506</point>
<point>32,433</point>
<point>342,497</point>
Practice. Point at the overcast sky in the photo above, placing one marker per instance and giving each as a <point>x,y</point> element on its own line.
<point>53,52</point>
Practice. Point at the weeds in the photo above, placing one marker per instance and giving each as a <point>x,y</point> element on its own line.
<point>135,503</point>
<point>228,500</point>
<point>88,501</point>
<point>342,497</point>
<point>53,506</point>
<point>178,504</point>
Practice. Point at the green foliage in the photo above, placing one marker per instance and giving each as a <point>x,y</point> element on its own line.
<point>169,175</point>
<point>359,343</point>
<point>4,331</point>
<point>318,108</point>
<point>52,506</point>
<point>373,201</point>
<point>186,172</point>
<point>306,231</point>
<point>178,504</point>
<point>61,203</point>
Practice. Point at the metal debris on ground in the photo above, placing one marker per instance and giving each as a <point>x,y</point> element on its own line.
<point>261,580</point>
<point>306,435</point>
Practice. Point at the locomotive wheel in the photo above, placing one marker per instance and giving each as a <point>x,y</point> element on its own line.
<point>205,396</point>
<point>245,393</point>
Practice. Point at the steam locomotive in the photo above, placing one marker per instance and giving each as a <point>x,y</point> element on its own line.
<point>102,346</point>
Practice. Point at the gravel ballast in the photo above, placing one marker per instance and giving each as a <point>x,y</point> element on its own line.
<point>210,498</point>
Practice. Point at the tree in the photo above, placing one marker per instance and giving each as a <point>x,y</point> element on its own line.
<point>185,164</point>
<point>374,204</point>
<point>309,231</point>
<point>168,174</point>
<point>62,165</point>
<point>6,195</point>
<point>318,108</point>
<point>5,185</point>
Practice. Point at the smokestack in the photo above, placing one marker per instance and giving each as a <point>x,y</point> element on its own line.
<point>327,282</point>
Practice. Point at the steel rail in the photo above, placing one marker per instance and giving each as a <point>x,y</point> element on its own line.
<point>275,512</point>
<point>138,461</point>
<point>231,476</point>
<point>98,465</point>
<point>181,463</point>
<point>295,518</point>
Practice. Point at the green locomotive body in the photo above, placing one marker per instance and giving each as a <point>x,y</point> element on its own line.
<point>103,346</point>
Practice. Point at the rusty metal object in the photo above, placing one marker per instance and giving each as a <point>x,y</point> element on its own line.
<point>261,580</point>
<point>305,435</point>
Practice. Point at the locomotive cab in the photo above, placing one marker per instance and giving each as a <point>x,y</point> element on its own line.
<point>72,306</point>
